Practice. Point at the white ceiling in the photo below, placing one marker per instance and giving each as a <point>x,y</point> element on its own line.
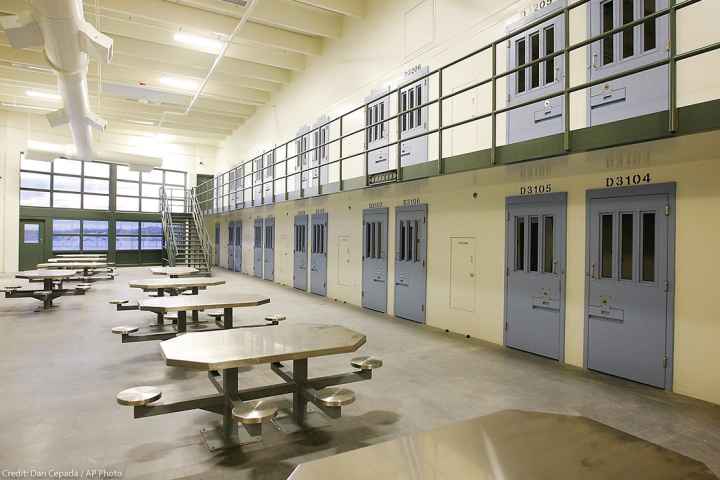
<point>277,40</point>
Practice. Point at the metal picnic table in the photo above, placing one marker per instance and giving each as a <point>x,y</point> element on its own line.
<point>52,286</point>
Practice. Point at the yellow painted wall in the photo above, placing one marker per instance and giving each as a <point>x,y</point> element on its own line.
<point>691,162</point>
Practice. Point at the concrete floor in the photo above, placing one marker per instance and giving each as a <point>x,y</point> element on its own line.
<point>62,369</point>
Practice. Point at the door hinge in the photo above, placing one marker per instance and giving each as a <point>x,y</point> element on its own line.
<point>422,307</point>
<point>507,271</point>
<point>667,285</point>
<point>667,210</point>
<point>665,361</point>
<point>506,326</point>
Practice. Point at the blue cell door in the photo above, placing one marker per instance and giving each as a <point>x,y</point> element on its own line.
<point>629,329</point>
<point>258,248</point>
<point>375,259</point>
<point>231,246</point>
<point>318,254</point>
<point>300,254</point>
<point>542,118</point>
<point>238,247</point>
<point>535,273</point>
<point>638,94</point>
<point>411,262</point>
<point>269,258</point>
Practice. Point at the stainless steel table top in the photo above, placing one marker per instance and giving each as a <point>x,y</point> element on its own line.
<point>76,259</point>
<point>238,347</point>
<point>43,274</point>
<point>85,255</point>
<point>186,282</point>
<point>203,301</point>
<point>173,270</point>
<point>510,445</point>
<point>73,265</point>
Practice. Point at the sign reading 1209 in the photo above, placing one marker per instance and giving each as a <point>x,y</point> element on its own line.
<point>625,180</point>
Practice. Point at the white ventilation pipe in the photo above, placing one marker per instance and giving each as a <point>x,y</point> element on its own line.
<point>59,26</point>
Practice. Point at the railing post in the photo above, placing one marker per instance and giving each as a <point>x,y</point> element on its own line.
<point>399,136</point>
<point>340,164</point>
<point>566,93</point>
<point>441,161</point>
<point>672,69</point>
<point>493,105</point>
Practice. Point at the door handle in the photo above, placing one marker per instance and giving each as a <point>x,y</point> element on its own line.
<point>594,60</point>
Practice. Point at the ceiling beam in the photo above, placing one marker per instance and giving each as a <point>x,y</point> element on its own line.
<point>349,8</point>
<point>173,15</point>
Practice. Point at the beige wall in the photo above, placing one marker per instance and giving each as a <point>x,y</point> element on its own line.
<point>691,162</point>
<point>17,129</point>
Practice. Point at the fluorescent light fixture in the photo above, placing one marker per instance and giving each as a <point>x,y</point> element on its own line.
<point>43,95</point>
<point>203,43</point>
<point>27,107</point>
<point>142,122</point>
<point>180,83</point>
<point>27,66</point>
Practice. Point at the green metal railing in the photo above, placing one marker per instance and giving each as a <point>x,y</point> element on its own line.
<point>167,226</point>
<point>224,190</point>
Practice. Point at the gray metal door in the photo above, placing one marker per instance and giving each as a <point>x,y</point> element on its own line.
<point>535,274</point>
<point>411,262</point>
<point>628,310</point>
<point>639,94</point>
<point>542,118</point>
<point>269,260</point>
<point>258,248</point>
<point>376,136</point>
<point>318,254</point>
<point>375,259</point>
<point>414,122</point>
<point>231,246</point>
<point>217,244</point>
<point>300,254</point>
<point>238,247</point>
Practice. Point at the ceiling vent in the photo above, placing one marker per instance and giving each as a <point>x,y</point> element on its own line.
<point>239,3</point>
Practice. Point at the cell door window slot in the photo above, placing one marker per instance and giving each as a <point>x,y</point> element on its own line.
<point>402,241</point>
<point>378,240</point>
<point>418,112</point>
<point>534,243</point>
<point>648,247</point>
<point>606,245</point>
<point>628,35</point>
<point>649,27</point>
<point>519,243</point>
<point>520,56</point>
<point>404,108</point>
<point>549,244</point>
<point>549,49</point>
<point>535,55</point>
<point>608,45</point>
<point>627,222</point>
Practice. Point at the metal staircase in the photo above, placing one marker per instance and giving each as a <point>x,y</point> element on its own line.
<point>187,242</point>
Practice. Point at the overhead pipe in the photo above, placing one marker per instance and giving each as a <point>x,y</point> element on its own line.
<point>68,40</point>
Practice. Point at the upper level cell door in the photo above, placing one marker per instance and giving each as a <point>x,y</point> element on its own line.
<point>540,79</point>
<point>411,262</point>
<point>639,94</point>
<point>269,257</point>
<point>375,259</point>
<point>231,246</point>
<point>258,248</point>
<point>628,310</point>
<point>376,135</point>
<point>535,274</point>
<point>414,122</point>
<point>318,254</point>
<point>300,253</point>
<point>238,247</point>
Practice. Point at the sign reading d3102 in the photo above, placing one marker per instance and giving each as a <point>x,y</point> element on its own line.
<point>628,180</point>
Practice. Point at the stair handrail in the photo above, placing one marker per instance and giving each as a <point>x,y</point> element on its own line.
<point>199,219</point>
<point>168,233</point>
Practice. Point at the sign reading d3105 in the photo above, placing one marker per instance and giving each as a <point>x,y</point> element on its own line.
<point>628,180</point>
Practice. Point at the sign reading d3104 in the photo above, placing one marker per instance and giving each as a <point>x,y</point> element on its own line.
<point>628,180</point>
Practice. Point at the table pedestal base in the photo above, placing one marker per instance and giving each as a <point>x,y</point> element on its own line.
<point>285,421</point>
<point>215,439</point>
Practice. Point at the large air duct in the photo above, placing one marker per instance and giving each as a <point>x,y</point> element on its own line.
<point>59,26</point>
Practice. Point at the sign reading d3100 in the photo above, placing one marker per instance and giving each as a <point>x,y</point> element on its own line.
<point>627,180</point>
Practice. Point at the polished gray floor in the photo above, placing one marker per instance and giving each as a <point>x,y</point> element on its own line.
<point>61,370</point>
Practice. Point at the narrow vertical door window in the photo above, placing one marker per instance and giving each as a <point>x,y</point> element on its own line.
<point>606,245</point>
<point>648,247</point>
<point>519,243</point>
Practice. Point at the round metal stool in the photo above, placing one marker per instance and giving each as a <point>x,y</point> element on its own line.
<point>254,411</point>
<point>366,363</point>
<point>124,329</point>
<point>336,396</point>
<point>138,396</point>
